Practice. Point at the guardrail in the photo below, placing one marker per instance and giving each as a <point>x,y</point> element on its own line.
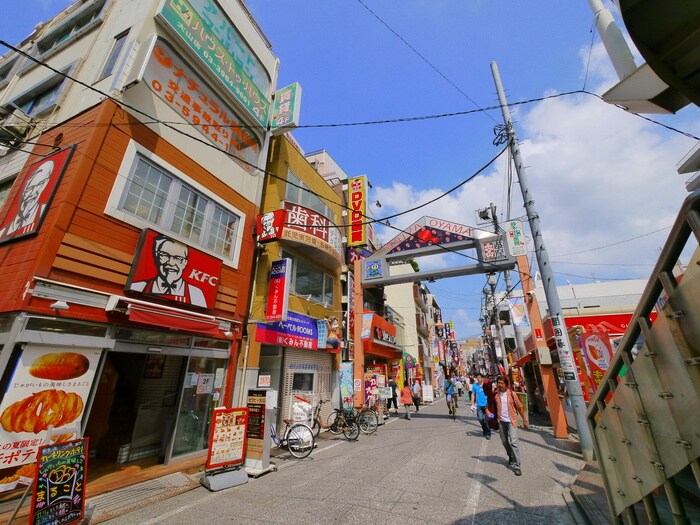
<point>645,417</point>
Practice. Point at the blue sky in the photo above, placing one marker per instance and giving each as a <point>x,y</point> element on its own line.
<point>604,182</point>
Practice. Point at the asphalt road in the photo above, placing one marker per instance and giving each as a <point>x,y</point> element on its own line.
<point>430,470</point>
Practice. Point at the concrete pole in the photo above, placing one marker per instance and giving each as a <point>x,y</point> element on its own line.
<point>561,336</point>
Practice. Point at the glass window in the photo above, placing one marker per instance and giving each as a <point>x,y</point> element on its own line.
<point>147,192</point>
<point>42,98</point>
<point>303,381</point>
<point>117,47</point>
<point>165,201</point>
<point>5,189</point>
<point>73,26</point>
<point>5,70</point>
<point>299,193</point>
<point>189,214</point>
<point>311,282</point>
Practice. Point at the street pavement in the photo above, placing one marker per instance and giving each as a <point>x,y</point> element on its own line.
<point>430,470</point>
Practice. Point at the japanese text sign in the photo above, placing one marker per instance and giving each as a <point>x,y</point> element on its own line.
<point>357,229</point>
<point>278,290</point>
<point>187,94</point>
<point>285,110</point>
<point>187,23</point>
<point>227,440</point>
<point>59,493</point>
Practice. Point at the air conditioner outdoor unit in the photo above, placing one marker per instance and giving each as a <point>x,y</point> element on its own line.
<point>16,125</point>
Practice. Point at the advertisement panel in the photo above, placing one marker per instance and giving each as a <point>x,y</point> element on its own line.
<point>278,290</point>
<point>598,353</point>
<point>286,109</point>
<point>59,492</point>
<point>228,436</point>
<point>49,388</point>
<point>309,227</point>
<point>357,229</point>
<point>189,25</point>
<point>298,331</point>
<point>170,270</point>
<point>270,225</point>
<point>28,207</point>
<point>169,77</point>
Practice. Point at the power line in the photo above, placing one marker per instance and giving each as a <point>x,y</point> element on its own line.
<point>614,243</point>
<point>430,64</point>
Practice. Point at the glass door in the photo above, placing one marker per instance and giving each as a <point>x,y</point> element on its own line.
<point>201,393</point>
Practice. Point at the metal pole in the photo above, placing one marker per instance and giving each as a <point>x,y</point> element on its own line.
<point>561,336</point>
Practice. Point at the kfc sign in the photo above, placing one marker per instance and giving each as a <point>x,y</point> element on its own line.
<point>271,225</point>
<point>170,270</point>
<point>357,229</point>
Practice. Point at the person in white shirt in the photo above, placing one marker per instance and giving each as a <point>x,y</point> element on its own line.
<point>508,406</point>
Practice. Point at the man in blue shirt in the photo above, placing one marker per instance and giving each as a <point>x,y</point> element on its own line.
<point>480,401</point>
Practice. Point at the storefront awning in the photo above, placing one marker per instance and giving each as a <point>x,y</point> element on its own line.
<point>524,359</point>
<point>172,318</point>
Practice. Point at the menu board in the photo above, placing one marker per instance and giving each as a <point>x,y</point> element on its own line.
<point>228,437</point>
<point>59,492</point>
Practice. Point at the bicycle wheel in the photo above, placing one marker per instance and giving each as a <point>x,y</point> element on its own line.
<point>351,430</point>
<point>368,420</point>
<point>333,424</point>
<point>300,440</point>
<point>316,427</point>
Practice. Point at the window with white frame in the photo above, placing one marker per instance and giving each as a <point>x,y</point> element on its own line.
<point>114,53</point>
<point>6,68</point>
<point>310,281</point>
<point>299,193</point>
<point>161,199</point>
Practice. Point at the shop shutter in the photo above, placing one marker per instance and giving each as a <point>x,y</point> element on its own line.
<point>321,364</point>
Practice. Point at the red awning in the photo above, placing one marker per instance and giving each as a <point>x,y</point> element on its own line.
<point>173,319</point>
<point>524,359</point>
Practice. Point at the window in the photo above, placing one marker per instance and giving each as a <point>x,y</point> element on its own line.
<point>117,47</point>
<point>5,189</point>
<point>5,70</point>
<point>74,26</point>
<point>160,199</point>
<point>310,281</point>
<point>42,96</point>
<point>306,197</point>
<point>303,381</point>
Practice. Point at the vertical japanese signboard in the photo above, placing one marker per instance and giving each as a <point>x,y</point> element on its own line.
<point>255,433</point>
<point>59,493</point>
<point>227,441</point>
<point>278,290</point>
<point>285,110</point>
<point>357,229</point>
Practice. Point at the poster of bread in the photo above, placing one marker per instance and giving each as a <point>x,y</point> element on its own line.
<point>49,388</point>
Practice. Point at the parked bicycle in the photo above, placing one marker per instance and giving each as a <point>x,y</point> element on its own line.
<point>298,438</point>
<point>345,421</point>
<point>315,422</point>
<point>368,419</point>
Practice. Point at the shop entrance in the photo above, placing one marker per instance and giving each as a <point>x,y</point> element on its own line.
<point>133,414</point>
<point>153,407</point>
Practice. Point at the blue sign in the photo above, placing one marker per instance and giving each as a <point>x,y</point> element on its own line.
<point>298,331</point>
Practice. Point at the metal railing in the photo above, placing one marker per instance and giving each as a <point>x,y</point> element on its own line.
<point>645,417</point>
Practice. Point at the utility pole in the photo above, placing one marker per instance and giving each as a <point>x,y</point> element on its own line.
<point>561,335</point>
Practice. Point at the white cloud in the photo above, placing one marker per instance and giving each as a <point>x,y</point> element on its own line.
<point>599,176</point>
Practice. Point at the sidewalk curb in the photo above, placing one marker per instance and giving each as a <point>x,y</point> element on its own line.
<point>576,513</point>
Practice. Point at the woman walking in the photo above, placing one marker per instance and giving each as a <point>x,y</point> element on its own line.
<point>407,400</point>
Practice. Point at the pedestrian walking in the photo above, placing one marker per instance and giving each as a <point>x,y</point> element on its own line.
<point>394,395</point>
<point>460,386</point>
<point>508,406</point>
<point>417,390</point>
<point>480,402</point>
<point>407,400</point>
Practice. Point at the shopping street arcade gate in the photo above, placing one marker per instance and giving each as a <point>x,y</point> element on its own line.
<point>427,236</point>
<point>430,236</point>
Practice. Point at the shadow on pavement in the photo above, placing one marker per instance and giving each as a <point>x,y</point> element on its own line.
<point>518,515</point>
